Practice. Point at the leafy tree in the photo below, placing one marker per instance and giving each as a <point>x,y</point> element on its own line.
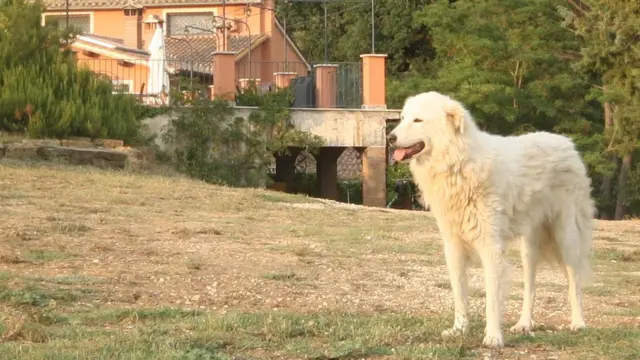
<point>610,56</point>
<point>349,31</point>
<point>513,63</point>
<point>507,60</point>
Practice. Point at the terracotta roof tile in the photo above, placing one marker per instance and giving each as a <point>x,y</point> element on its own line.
<point>186,51</point>
<point>112,40</point>
<point>201,48</point>
<point>116,4</point>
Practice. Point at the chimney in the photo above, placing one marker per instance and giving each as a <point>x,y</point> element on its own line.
<point>132,26</point>
<point>220,25</point>
<point>151,23</point>
<point>267,18</point>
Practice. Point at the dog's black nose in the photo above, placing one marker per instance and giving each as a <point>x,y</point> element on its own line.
<point>392,138</point>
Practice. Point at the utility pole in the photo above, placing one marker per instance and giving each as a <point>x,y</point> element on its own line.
<point>67,18</point>
<point>326,36</point>
<point>326,48</point>
<point>284,19</point>
<point>373,27</point>
<point>224,25</point>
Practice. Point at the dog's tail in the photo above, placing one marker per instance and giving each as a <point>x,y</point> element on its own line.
<point>585,213</point>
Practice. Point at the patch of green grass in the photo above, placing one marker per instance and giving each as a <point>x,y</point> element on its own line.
<point>610,239</point>
<point>5,275</point>
<point>612,343</point>
<point>601,291</point>
<point>38,296</point>
<point>119,315</point>
<point>180,334</point>
<point>631,311</point>
<point>329,335</point>
<point>43,255</point>
<point>173,333</point>
<point>195,264</point>
<point>304,251</point>
<point>283,276</point>
<point>71,228</point>
<point>408,248</point>
<point>631,256</point>
<point>275,247</point>
<point>170,333</point>
<point>277,197</point>
<point>478,293</point>
<point>69,280</point>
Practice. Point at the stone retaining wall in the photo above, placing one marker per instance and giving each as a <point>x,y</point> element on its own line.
<point>103,153</point>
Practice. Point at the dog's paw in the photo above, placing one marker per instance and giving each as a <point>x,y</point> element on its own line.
<point>577,325</point>
<point>456,331</point>
<point>524,328</point>
<point>493,341</point>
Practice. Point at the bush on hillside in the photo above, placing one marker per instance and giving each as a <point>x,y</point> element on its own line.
<point>210,144</point>
<point>42,90</point>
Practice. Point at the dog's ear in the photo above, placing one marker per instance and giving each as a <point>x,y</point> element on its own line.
<point>455,115</point>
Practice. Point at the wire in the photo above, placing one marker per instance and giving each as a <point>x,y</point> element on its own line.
<point>333,13</point>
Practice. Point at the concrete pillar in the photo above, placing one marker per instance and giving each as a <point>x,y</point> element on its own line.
<point>224,75</point>
<point>283,79</point>
<point>374,81</point>
<point>326,85</point>
<point>286,168</point>
<point>327,172</point>
<point>374,176</point>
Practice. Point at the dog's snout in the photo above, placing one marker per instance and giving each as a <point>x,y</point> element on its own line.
<point>392,138</point>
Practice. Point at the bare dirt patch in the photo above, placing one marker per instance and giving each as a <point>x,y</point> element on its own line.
<point>266,275</point>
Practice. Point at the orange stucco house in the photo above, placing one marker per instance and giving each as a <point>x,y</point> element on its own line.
<point>113,38</point>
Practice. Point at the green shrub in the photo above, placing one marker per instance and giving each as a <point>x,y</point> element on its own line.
<point>59,101</point>
<point>210,144</point>
<point>350,191</point>
<point>42,90</point>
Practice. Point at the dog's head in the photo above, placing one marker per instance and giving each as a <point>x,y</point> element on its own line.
<point>427,120</point>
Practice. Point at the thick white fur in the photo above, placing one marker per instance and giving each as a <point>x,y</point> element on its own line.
<point>487,190</point>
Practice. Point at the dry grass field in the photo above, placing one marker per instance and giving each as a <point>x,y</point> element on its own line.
<point>115,265</point>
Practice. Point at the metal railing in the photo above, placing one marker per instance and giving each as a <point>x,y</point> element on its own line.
<point>349,85</point>
<point>131,76</point>
<point>345,82</point>
<point>344,85</point>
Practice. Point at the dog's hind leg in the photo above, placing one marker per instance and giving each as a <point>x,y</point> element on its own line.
<point>456,258</point>
<point>569,244</point>
<point>530,254</point>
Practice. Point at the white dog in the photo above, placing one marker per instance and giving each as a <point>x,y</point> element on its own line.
<point>486,190</point>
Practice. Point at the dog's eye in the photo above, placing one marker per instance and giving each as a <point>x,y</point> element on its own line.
<point>417,120</point>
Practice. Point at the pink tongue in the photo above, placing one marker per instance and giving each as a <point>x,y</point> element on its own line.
<point>399,154</point>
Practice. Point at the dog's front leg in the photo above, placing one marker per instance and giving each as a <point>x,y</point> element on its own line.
<point>456,258</point>
<point>495,274</point>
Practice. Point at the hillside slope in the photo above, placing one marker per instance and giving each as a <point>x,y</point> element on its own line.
<point>98,264</point>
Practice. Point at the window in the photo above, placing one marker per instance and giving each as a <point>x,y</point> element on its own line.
<point>122,86</point>
<point>176,23</point>
<point>132,12</point>
<point>81,22</point>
